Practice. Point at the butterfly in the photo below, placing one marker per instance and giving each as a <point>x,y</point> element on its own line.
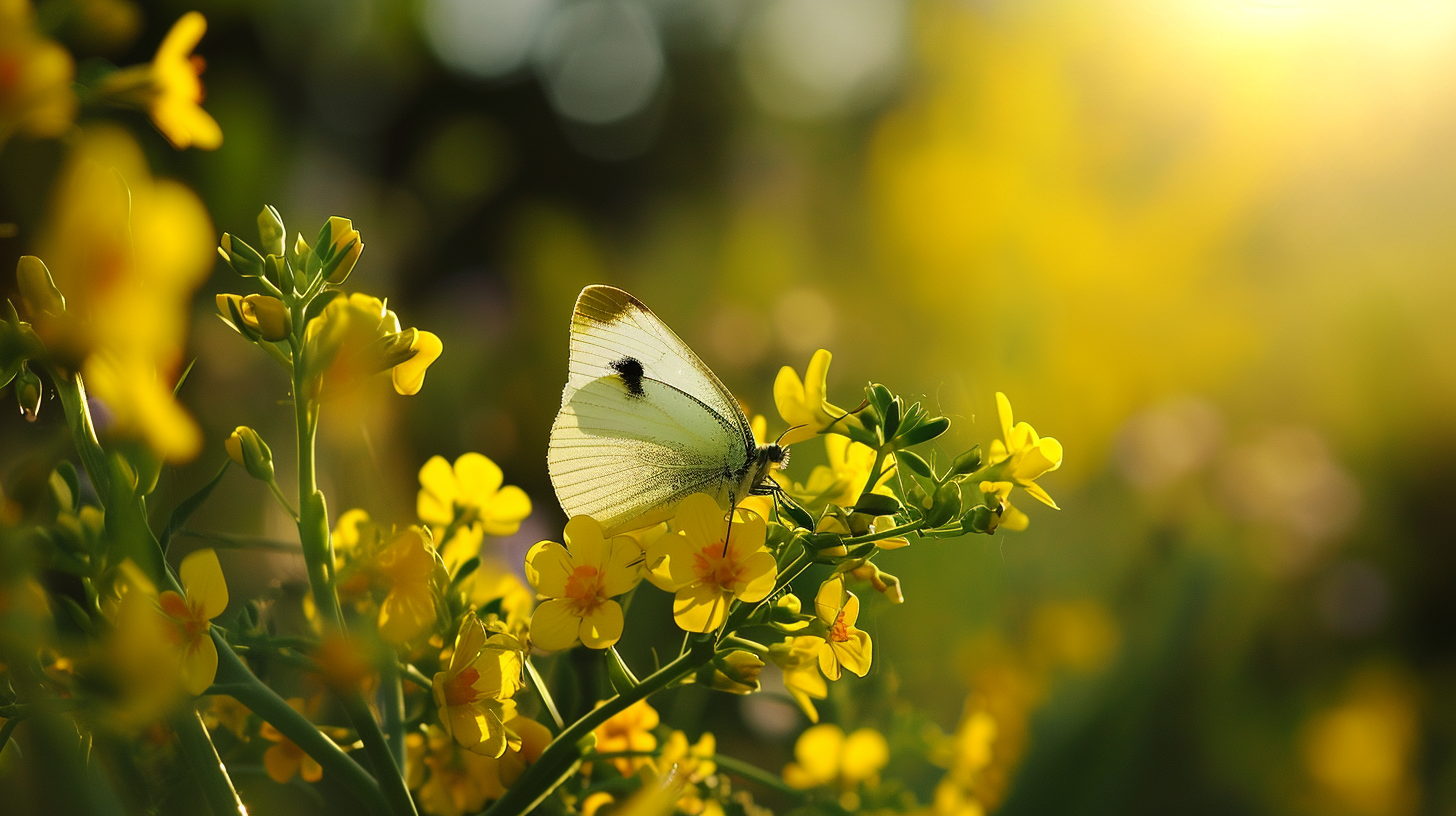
<point>644,423</point>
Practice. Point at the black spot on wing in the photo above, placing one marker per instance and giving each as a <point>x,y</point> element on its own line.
<point>630,370</point>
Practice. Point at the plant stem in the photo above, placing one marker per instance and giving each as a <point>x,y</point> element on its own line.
<point>544,693</point>
<point>277,493</point>
<point>893,532</point>
<point>564,752</point>
<point>236,680</point>
<point>752,772</point>
<point>206,766</point>
<point>391,692</point>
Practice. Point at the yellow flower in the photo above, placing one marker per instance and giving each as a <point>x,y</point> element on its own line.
<point>471,495</point>
<point>140,659</point>
<point>284,759</point>
<point>802,403</point>
<point>628,730</point>
<point>343,238</point>
<point>473,693</point>
<point>127,253</point>
<point>798,658</point>
<point>710,562</point>
<point>492,581</point>
<point>693,762</point>
<point>844,647</point>
<point>356,337</point>
<point>1005,514</point>
<point>205,596</point>
<point>824,756</point>
<point>1023,456</point>
<point>35,77</point>
<point>408,566</point>
<point>170,87</point>
<point>579,579</point>
<point>227,712</point>
<point>842,480</point>
<point>460,782</point>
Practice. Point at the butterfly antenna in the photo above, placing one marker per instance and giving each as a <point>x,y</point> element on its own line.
<point>787,431</point>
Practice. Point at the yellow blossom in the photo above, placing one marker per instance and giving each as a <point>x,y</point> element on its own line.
<point>227,712</point>
<point>471,495</point>
<point>824,756</point>
<point>1005,514</point>
<point>579,580</point>
<point>628,730</point>
<point>205,596</point>
<point>493,581</point>
<point>408,566</point>
<point>170,87</point>
<point>409,376</point>
<point>802,403</point>
<point>357,337</point>
<point>284,759</point>
<point>473,693</point>
<point>694,762</point>
<point>843,478</point>
<point>126,251</point>
<point>798,658</point>
<point>1023,456</point>
<point>844,647</point>
<point>140,659</point>
<point>454,782</point>
<point>711,561</point>
<point>35,77</point>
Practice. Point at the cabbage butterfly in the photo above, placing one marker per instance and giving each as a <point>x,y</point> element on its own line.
<point>643,423</point>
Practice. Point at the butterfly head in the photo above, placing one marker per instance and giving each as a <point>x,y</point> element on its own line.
<point>775,454</point>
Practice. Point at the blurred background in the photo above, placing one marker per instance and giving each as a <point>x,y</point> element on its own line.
<point>1207,244</point>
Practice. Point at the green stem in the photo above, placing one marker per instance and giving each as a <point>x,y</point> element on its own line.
<point>416,676</point>
<point>236,680</point>
<point>752,772</point>
<point>206,765</point>
<point>277,493</point>
<point>391,692</point>
<point>318,556</point>
<point>544,694</point>
<point>893,532</point>
<point>78,418</point>
<point>564,752</point>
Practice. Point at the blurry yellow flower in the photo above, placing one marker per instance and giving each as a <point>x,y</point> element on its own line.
<point>141,659</point>
<point>579,580</point>
<point>35,77</point>
<point>1360,752</point>
<point>798,658</point>
<point>473,693</point>
<point>284,759</point>
<point>802,403</point>
<point>1004,513</point>
<point>844,646</point>
<point>492,581</point>
<point>460,782</point>
<point>1023,456</point>
<point>407,565</point>
<point>227,712</point>
<point>205,596</point>
<point>170,87</point>
<point>471,495</point>
<point>127,252</point>
<point>628,730</point>
<point>356,337</point>
<point>694,762</point>
<point>533,737</point>
<point>710,562</point>
<point>824,756</point>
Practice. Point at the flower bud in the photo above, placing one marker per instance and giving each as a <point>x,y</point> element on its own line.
<point>736,672</point>
<point>230,308</point>
<point>345,246</point>
<point>268,316</point>
<point>249,450</point>
<point>38,288</point>
<point>28,393</point>
<point>967,462</point>
<point>946,506</point>
<point>270,231</point>
<point>786,614</point>
<point>242,258</point>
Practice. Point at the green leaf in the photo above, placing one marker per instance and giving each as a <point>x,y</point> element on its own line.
<point>892,418</point>
<point>189,505</point>
<point>947,505</point>
<point>66,487</point>
<point>915,462</point>
<point>177,389</point>
<point>877,504</point>
<point>796,513</point>
<point>924,433</point>
<point>77,615</point>
<point>967,462</point>
<point>623,680</point>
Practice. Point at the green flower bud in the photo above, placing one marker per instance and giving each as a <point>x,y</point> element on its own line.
<point>344,247</point>
<point>271,232</point>
<point>38,288</point>
<point>248,449</point>
<point>979,519</point>
<point>967,462</point>
<point>736,672</point>
<point>268,316</point>
<point>946,506</point>
<point>28,393</point>
<point>242,258</point>
<point>230,309</point>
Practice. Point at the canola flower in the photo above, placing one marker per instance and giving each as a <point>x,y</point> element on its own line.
<point>711,560</point>
<point>798,658</point>
<point>824,756</point>
<point>36,98</point>
<point>1022,456</point>
<point>473,693</point>
<point>284,759</point>
<point>356,337</point>
<point>170,88</point>
<point>629,731</point>
<point>802,403</point>
<point>844,646</point>
<point>407,565</point>
<point>204,596</point>
<point>470,495</point>
<point>579,580</point>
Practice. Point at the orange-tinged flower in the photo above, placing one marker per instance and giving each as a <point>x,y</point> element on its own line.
<point>711,561</point>
<point>844,646</point>
<point>284,759</point>
<point>628,730</point>
<point>35,77</point>
<point>204,597</point>
<point>473,693</point>
<point>579,580</point>
<point>1023,456</point>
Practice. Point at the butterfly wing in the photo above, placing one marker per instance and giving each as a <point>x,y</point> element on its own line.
<point>643,423</point>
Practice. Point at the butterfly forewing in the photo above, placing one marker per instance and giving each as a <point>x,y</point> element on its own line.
<point>643,423</point>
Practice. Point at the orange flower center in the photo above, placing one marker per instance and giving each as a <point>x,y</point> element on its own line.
<point>190,624</point>
<point>839,632</point>
<point>714,564</point>
<point>584,589</point>
<point>461,688</point>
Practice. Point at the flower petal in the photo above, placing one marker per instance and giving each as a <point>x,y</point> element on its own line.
<point>700,608</point>
<point>700,519</point>
<point>586,542</point>
<point>865,753</point>
<point>854,654</point>
<point>1003,412</point>
<point>478,477</point>
<point>199,665</point>
<point>830,599</point>
<point>201,575</point>
<point>409,376</point>
<point>1036,492</point>
<point>506,511</point>
<point>548,566</point>
<point>670,562</point>
<point>602,627</point>
<point>757,577</point>
<point>553,626</point>
<point>624,567</point>
<point>818,751</point>
<point>747,535</point>
<point>438,492</point>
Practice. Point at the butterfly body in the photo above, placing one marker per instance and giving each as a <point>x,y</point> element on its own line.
<point>643,422</point>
